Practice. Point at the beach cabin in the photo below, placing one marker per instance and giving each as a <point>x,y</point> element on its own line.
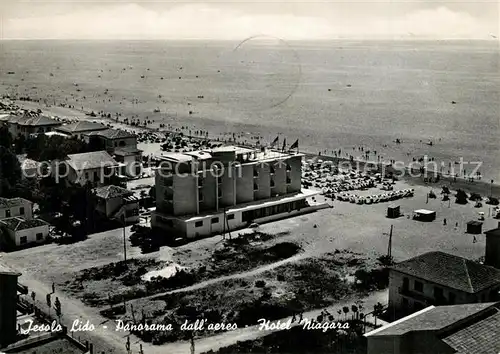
<point>475,227</point>
<point>424,215</point>
<point>393,211</point>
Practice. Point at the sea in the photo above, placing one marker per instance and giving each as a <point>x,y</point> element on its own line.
<point>330,95</point>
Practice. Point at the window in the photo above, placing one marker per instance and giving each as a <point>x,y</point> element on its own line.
<point>168,182</point>
<point>219,179</point>
<point>272,183</point>
<point>255,187</point>
<point>86,175</point>
<point>219,193</point>
<point>7,213</point>
<point>200,182</point>
<point>39,236</point>
<point>215,220</point>
<point>255,172</point>
<point>288,180</point>
<point>438,293</point>
<point>200,196</point>
<point>96,176</point>
<point>198,223</point>
<point>23,240</point>
<point>288,167</point>
<point>21,210</point>
<point>419,286</point>
<point>230,217</point>
<point>406,283</point>
<point>417,306</point>
<point>271,169</point>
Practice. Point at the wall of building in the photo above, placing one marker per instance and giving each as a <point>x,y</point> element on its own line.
<point>397,302</point>
<point>16,211</point>
<point>492,251</point>
<point>263,181</point>
<point>8,309</point>
<point>208,191</point>
<point>279,178</point>
<point>227,187</point>
<point>30,235</point>
<point>383,344</point>
<point>295,173</point>
<point>244,184</point>
<point>185,194</point>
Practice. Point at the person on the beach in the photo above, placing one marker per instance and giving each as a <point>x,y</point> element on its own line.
<point>444,221</point>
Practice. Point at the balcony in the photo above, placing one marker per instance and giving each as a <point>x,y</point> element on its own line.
<point>441,300</point>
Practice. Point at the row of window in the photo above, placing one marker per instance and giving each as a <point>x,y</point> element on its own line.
<point>438,292</point>
<point>24,239</point>
<point>214,220</point>
<point>8,214</point>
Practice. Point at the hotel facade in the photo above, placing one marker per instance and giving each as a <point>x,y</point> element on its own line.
<point>206,192</point>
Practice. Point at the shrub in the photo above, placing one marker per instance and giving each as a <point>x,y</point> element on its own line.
<point>492,201</point>
<point>260,283</point>
<point>461,197</point>
<point>475,197</point>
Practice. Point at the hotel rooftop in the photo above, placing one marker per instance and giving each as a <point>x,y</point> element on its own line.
<point>248,155</point>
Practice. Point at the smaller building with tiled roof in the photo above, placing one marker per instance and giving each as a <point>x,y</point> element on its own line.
<point>19,231</point>
<point>91,160</point>
<point>29,124</point>
<point>438,278</point>
<point>109,192</point>
<point>11,207</point>
<point>465,329</point>
<point>112,134</point>
<point>117,203</point>
<point>80,128</point>
<point>19,223</point>
<point>95,167</point>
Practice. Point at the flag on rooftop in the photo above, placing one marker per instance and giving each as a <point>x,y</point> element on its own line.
<point>275,141</point>
<point>284,145</point>
<point>295,145</point>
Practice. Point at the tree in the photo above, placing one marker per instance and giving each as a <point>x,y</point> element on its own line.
<point>6,139</point>
<point>10,171</point>
<point>57,307</point>
<point>461,197</point>
<point>354,310</point>
<point>345,309</point>
<point>378,309</point>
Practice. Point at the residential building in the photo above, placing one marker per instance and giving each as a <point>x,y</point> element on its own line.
<point>438,278</point>
<point>29,124</point>
<point>8,306</point>
<point>21,231</point>
<point>130,159</point>
<point>120,144</point>
<point>114,202</point>
<point>464,329</point>
<point>492,250</point>
<point>206,192</point>
<point>16,207</point>
<point>94,167</point>
<point>81,128</point>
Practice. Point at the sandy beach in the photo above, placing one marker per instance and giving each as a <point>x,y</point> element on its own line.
<point>329,98</point>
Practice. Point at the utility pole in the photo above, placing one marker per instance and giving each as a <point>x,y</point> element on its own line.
<point>389,248</point>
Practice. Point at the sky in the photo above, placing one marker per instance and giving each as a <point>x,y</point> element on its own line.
<point>236,19</point>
